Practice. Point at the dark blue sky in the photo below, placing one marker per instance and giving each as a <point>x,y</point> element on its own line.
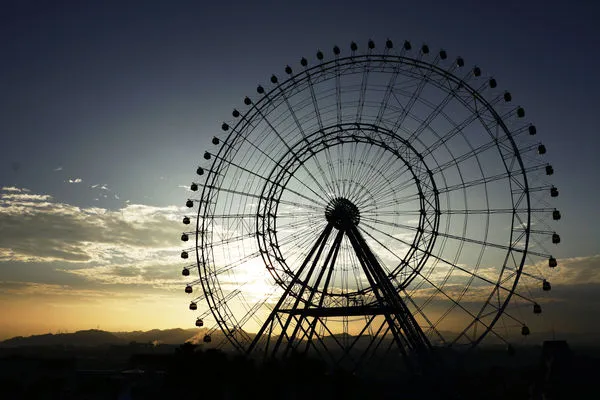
<point>124,93</point>
<point>128,94</point>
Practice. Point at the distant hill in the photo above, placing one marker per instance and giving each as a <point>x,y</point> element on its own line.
<point>167,336</point>
<point>95,337</point>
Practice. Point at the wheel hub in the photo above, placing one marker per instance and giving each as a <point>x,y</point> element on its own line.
<point>342,213</point>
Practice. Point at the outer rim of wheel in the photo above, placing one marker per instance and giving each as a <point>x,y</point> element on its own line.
<point>212,289</point>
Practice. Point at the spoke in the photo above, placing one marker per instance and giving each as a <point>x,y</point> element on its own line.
<point>258,196</point>
<point>263,153</point>
<point>363,90</point>
<point>473,274</point>
<point>433,115</point>
<point>302,195</point>
<point>387,95</point>
<point>329,184</point>
<point>338,92</point>
<point>291,151</point>
<point>411,102</point>
<point>450,236</point>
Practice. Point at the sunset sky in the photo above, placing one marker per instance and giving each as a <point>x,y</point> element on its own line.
<point>106,107</point>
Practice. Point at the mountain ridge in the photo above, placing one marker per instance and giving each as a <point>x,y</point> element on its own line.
<point>97,337</point>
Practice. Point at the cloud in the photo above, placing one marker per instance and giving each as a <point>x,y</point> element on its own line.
<point>146,273</point>
<point>35,228</point>
<point>578,271</point>
<point>103,186</point>
<point>59,168</point>
<point>13,189</point>
<point>24,199</point>
<point>14,288</point>
<point>76,180</point>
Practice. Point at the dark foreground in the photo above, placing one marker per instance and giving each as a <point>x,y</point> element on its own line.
<point>143,371</point>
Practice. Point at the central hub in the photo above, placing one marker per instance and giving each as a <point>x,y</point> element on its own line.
<point>342,213</point>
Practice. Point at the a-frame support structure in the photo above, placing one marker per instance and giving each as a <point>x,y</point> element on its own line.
<point>301,313</point>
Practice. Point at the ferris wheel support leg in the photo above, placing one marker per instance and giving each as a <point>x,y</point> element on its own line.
<point>328,265</point>
<point>318,246</point>
<point>401,320</point>
<point>321,246</point>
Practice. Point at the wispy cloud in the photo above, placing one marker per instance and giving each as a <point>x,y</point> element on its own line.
<point>102,186</point>
<point>59,168</point>
<point>22,197</point>
<point>76,180</point>
<point>578,271</point>
<point>13,189</point>
<point>35,228</point>
<point>15,288</point>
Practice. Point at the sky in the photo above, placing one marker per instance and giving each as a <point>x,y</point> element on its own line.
<point>106,108</point>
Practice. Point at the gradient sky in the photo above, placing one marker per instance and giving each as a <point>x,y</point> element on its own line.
<point>106,106</point>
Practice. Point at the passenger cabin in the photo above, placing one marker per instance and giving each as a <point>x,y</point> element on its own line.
<point>185,237</point>
<point>549,170</point>
<point>555,238</point>
<point>546,286</point>
<point>184,254</point>
<point>186,220</point>
<point>185,272</point>
<point>189,204</point>
<point>188,289</point>
<point>552,262</point>
<point>193,306</point>
<point>541,149</point>
<point>525,330</point>
<point>199,323</point>
<point>194,187</point>
<point>537,309</point>
<point>553,192</point>
<point>532,129</point>
<point>555,215</point>
<point>207,339</point>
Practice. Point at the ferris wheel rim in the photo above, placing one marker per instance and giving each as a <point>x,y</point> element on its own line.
<point>203,261</point>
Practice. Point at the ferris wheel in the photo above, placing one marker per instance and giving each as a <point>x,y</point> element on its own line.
<point>392,199</point>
